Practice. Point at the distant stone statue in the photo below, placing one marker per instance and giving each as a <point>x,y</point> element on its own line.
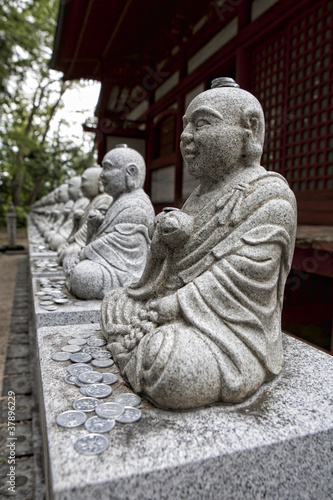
<point>61,235</point>
<point>118,242</point>
<point>92,189</point>
<point>203,325</point>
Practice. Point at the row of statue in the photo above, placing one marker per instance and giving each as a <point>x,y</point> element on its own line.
<point>192,298</point>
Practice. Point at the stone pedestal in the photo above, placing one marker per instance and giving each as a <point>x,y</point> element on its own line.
<point>277,445</point>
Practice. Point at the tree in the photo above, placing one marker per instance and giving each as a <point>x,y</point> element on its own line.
<point>33,157</point>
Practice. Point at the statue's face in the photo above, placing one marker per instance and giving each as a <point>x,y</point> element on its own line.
<point>213,138</point>
<point>89,182</point>
<point>113,175</point>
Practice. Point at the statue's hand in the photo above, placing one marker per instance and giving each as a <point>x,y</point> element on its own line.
<point>164,310</point>
<point>72,261</point>
<point>95,219</point>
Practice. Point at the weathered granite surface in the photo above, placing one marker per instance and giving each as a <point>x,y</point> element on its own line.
<point>277,445</point>
<point>203,324</point>
<point>75,312</point>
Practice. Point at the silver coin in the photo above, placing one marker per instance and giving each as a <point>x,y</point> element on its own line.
<point>102,363</point>
<point>81,335</point>
<point>50,308</point>
<point>83,391</point>
<point>80,357</point>
<point>96,424</point>
<point>40,294</point>
<point>46,302</point>
<point>76,341</point>
<point>47,289</point>
<point>93,444</point>
<point>90,377</point>
<point>109,378</point>
<point>71,418</point>
<point>98,390</point>
<point>130,415</point>
<point>48,297</point>
<point>86,404</point>
<point>52,264</point>
<point>101,355</point>
<point>70,379</point>
<point>92,350</point>
<point>61,282</point>
<point>109,410</point>
<point>96,342</point>
<point>71,348</point>
<point>61,301</point>
<point>77,369</point>
<point>61,356</point>
<point>128,399</point>
<point>80,384</point>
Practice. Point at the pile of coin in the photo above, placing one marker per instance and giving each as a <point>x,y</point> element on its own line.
<point>50,295</point>
<point>48,265</point>
<point>94,386</point>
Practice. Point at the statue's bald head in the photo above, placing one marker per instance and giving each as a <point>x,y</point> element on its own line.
<point>130,161</point>
<point>238,107</point>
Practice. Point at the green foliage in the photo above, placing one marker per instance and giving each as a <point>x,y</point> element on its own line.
<point>34,158</point>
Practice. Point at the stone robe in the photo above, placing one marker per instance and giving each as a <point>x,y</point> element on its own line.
<point>227,273</point>
<point>117,255</point>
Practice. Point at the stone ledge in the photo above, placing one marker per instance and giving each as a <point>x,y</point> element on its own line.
<point>276,445</point>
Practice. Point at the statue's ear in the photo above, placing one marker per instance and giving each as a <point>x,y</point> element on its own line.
<point>252,123</point>
<point>131,176</point>
<point>100,186</point>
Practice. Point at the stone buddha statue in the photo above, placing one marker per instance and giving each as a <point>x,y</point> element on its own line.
<point>203,324</point>
<point>118,243</point>
<point>61,235</point>
<point>92,189</point>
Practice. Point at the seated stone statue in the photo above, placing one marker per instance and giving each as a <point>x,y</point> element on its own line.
<point>203,325</point>
<point>92,189</point>
<point>117,252</point>
<point>61,236</point>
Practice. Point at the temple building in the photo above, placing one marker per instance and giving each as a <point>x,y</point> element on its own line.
<point>152,58</point>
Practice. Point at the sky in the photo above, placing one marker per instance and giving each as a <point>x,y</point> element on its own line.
<point>79,105</point>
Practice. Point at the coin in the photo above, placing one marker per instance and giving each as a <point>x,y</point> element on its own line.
<point>40,294</point>
<point>86,404</point>
<point>93,444</point>
<point>71,418</point>
<point>77,369</point>
<point>109,410</point>
<point>101,355</point>
<point>61,301</point>
<point>71,348</point>
<point>96,342</point>
<point>109,378</point>
<point>83,391</point>
<point>130,415</point>
<point>80,384</point>
<point>61,282</point>
<point>76,341</point>
<point>50,308</point>
<point>70,379</point>
<point>81,335</point>
<point>96,424</point>
<point>128,399</point>
<point>98,390</point>
<point>102,363</point>
<point>46,302</point>
<point>80,357</point>
<point>90,377</point>
<point>92,350</point>
<point>60,356</point>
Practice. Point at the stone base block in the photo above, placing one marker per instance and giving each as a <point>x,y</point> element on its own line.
<point>277,445</point>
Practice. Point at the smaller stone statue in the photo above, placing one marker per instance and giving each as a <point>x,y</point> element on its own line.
<point>92,189</point>
<point>60,237</point>
<point>203,324</point>
<point>118,241</point>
